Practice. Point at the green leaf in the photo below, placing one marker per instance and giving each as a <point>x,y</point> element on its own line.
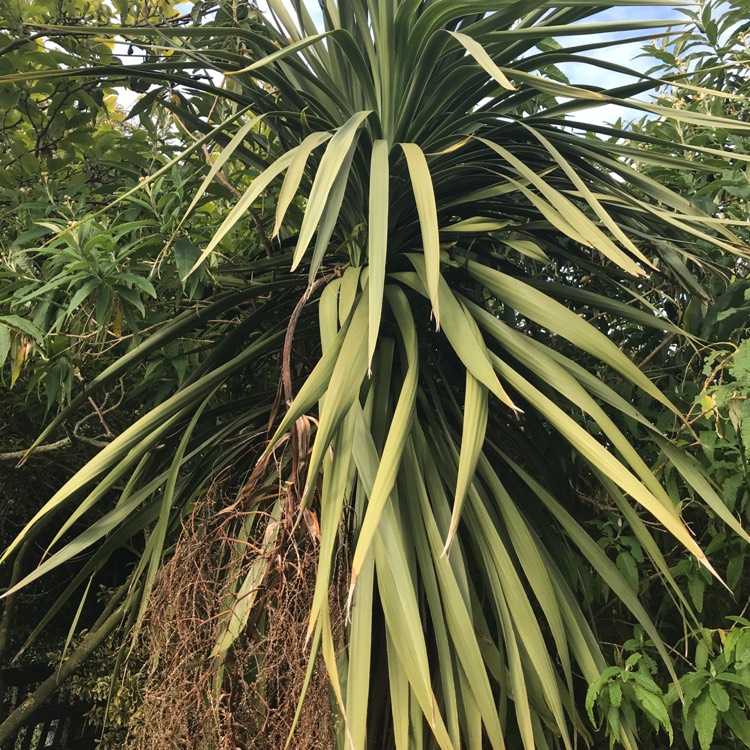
<point>701,654</point>
<point>552,315</point>
<point>81,294</point>
<point>705,720</point>
<point>315,384</point>
<point>592,694</point>
<point>398,598</point>
<point>597,559</point>
<point>458,618</point>
<point>529,249</point>
<point>334,164</point>
<point>282,53</point>
<point>626,565</point>
<point>360,651</point>
<point>398,432</point>
<point>599,457</point>
<point>742,651</point>
<point>696,587</point>
<point>133,442</point>
<point>565,214</point>
<point>348,292</point>
<point>24,326</point>
<point>476,414</point>
<point>480,55</point>
<point>158,535</point>
<point>259,184</point>
<point>186,255</point>
<point>460,330</point>
<point>336,487</point>
<point>719,696</point>
<point>4,344</point>
<point>377,239</point>
<point>424,195</point>
<point>216,166</point>
<point>294,175</point>
<point>696,477</point>
<point>476,224</point>
<point>734,679</point>
<point>615,694</point>
<point>654,707</point>
<point>343,388</point>
<point>735,569</point>
<point>244,598</point>
<point>738,722</point>
<point>589,196</point>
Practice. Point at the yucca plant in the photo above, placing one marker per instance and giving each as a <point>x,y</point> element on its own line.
<point>449,379</point>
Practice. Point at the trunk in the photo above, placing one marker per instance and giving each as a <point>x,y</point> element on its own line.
<point>98,634</point>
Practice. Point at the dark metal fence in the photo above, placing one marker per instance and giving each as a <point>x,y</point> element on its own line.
<point>54,726</point>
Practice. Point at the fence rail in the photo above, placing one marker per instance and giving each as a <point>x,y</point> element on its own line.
<point>54,726</point>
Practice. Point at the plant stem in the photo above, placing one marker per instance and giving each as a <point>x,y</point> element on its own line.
<point>91,641</point>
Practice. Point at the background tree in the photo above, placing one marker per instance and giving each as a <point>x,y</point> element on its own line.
<point>707,379</point>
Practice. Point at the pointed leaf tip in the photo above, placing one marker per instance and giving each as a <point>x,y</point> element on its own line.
<point>350,597</point>
<point>703,560</point>
<point>448,543</point>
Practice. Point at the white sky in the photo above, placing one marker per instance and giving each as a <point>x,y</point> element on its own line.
<point>626,55</point>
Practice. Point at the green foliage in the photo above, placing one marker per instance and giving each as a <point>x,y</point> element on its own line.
<point>712,54</point>
<point>620,691</point>
<point>708,379</point>
<point>114,696</point>
<point>77,285</point>
<point>58,144</point>
<point>472,440</point>
<point>718,688</point>
<point>708,705</point>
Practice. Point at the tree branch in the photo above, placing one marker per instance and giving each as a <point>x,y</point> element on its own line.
<point>91,641</point>
<point>286,366</point>
<point>10,602</point>
<point>63,443</point>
